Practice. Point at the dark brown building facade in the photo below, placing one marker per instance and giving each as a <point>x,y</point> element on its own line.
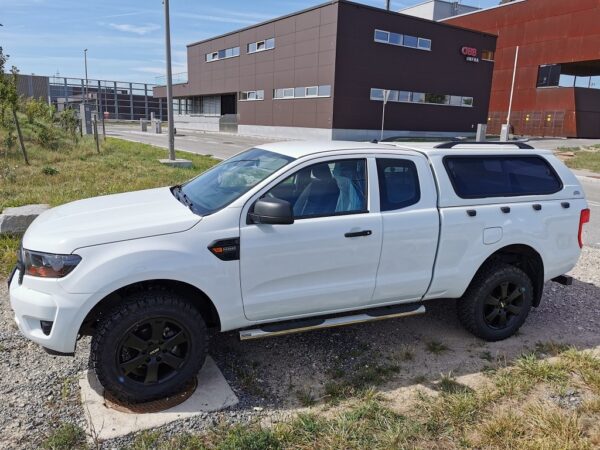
<point>557,83</point>
<point>323,72</point>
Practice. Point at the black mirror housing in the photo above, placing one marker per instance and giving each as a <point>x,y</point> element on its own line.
<point>273,211</point>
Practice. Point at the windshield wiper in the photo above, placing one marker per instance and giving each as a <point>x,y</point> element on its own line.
<point>182,197</point>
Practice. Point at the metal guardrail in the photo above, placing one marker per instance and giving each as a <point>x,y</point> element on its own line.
<point>178,78</point>
<point>117,100</point>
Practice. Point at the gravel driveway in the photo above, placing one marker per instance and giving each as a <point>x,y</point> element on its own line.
<point>276,376</point>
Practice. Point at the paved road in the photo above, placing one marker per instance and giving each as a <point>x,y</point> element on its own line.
<point>219,145</point>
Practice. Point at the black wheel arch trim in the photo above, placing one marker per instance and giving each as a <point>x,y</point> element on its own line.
<point>524,257</point>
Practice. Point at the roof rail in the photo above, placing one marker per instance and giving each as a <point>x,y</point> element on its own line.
<point>520,144</point>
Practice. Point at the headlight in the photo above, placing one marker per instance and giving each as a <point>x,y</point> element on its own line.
<point>47,265</point>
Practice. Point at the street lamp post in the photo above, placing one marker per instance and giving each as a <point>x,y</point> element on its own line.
<point>169,83</point>
<point>86,75</point>
<point>386,96</point>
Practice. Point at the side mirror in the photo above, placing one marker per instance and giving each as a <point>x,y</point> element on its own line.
<point>273,211</point>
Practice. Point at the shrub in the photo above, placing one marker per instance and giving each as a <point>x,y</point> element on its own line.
<point>47,137</point>
<point>37,109</point>
<point>69,122</point>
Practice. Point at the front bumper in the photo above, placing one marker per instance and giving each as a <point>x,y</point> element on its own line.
<point>37,304</point>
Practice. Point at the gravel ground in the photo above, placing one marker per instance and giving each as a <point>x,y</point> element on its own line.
<point>269,376</point>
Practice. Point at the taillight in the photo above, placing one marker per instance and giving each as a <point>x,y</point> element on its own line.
<point>584,218</point>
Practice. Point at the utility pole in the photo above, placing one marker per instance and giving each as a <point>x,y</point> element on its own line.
<point>388,4</point>
<point>169,83</point>
<point>386,96</point>
<point>504,134</point>
<point>86,75</point>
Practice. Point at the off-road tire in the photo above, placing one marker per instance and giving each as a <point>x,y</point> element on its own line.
<point>125,319</point>
<point>472,305</point>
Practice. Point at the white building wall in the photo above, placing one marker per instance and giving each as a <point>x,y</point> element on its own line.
<point>437,9</point>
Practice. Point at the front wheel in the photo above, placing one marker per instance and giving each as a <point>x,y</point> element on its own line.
<point>149,347</point>
<point>497,302</point>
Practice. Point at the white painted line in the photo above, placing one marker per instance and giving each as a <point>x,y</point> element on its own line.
<point>594,203</point>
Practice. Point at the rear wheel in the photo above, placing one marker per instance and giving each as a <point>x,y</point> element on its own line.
<point>149,347</point>
<point>497,302</point>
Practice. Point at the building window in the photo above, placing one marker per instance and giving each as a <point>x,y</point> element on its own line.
<point>223,54</point>
<point>303,92</point>
<point>548,75</point>
<point>410,41</point>
<point>579,74</point>
<point>246,96</point>
<point>424,44</point>
<point>261,46</point>
<point>402,40</point>
<point>382,36</point>
<point>487,55</point>
<point>420,97</point>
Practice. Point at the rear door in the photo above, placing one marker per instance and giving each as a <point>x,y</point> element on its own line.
<point>410,220</point>
<point>327,259</point>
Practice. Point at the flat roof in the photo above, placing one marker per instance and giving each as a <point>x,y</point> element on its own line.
<point>502,5</point>
<point>437,1</point>
<point>333,2</point>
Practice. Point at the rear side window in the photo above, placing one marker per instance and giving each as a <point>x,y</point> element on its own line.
<point>398,183</point>
<point>501,176</point>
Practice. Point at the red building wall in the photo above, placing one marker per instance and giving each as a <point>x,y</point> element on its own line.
<point>548,32</point>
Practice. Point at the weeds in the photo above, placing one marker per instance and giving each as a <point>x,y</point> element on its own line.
<point>359,381</point>
<point>305,398</point>
<point>437,348</point>
<point>449,385</point>
<point>66,437</point>
<point>550,348</point>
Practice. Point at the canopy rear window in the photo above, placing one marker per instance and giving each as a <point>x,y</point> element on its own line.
<point>501,176</point>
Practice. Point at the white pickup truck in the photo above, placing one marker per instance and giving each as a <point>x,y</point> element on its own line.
<point>295,236</point>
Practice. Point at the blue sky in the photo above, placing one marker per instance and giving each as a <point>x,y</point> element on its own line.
<point>125,37</point>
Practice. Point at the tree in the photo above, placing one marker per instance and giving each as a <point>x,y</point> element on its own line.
<point>9,98</point>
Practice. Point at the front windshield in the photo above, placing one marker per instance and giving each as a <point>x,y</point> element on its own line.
<point>225,182</point>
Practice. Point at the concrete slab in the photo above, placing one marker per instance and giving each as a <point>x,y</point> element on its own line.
<point>212,394</point>
<point>185,163</point>
<point>16,220</point>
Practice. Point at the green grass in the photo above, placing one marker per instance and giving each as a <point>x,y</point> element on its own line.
<point>81,172</point>
<point>437,348</point>
<point>66,437</point>
<point>457,417</point>
<point>8,253</point>
<point>359,380</point>
<point>75,171</point>
<point>587,158</point>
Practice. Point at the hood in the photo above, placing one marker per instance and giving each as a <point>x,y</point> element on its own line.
<point>109,218</point>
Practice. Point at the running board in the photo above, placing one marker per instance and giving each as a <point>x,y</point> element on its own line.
<point>301,325</point>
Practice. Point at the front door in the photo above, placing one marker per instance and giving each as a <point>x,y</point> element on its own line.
<point>327,259</point>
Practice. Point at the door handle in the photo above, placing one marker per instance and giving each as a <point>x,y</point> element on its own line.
<point>358,233</point>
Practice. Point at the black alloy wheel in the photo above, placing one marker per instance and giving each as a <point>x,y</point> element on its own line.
<point>497,301</point>
<point>503,305</point>
<point>149,347</point>
<point>153,350</point>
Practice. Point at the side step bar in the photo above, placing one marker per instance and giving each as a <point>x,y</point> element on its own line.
<point>301,325</point>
